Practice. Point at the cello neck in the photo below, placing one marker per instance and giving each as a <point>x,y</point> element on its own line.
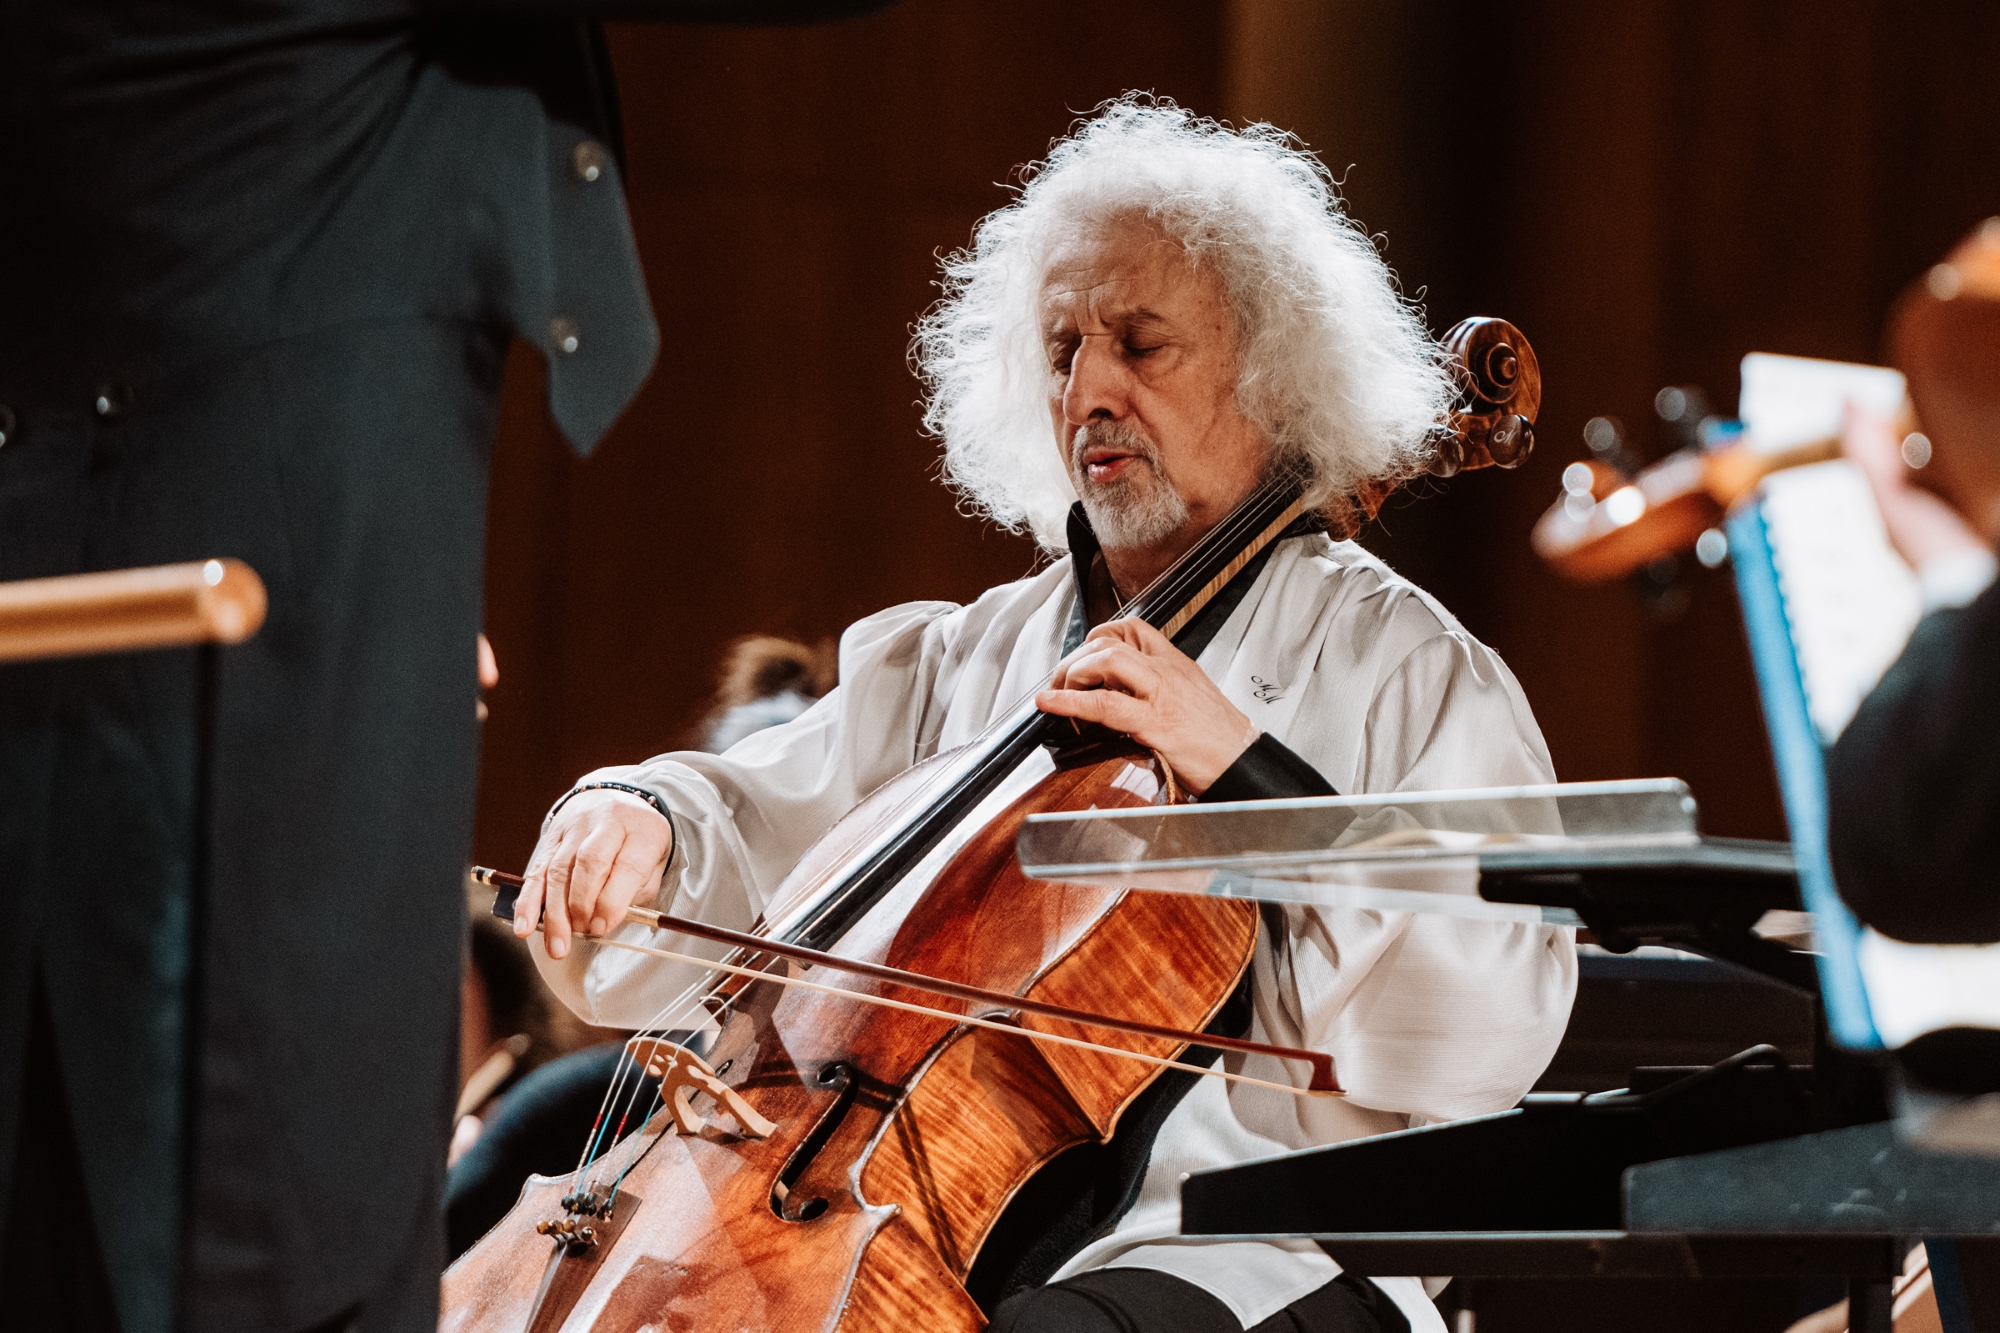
<point>1168,604</point>
<point>1190,583</point>
<point>1492,425</point>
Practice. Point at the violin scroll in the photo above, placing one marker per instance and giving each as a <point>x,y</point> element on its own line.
<point>1501,392</point>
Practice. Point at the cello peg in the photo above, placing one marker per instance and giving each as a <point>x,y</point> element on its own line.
<point>1511,440</point>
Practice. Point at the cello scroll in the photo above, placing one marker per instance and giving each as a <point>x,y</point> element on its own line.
<point>1491,425</point>
<point>1494,424</point>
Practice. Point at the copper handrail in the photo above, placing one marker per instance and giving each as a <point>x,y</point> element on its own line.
<point>122,610</point>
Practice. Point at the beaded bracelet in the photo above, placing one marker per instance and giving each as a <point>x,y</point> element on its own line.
<point>649,797</point>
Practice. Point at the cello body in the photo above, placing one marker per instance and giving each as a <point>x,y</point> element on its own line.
<point>901,1137</point>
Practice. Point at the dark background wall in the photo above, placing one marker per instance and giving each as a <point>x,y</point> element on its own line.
<point>1649,189</point>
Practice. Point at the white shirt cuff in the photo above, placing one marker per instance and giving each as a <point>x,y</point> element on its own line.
<point>1955,579</point>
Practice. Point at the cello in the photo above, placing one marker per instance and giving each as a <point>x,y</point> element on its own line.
<point>898,1054</point>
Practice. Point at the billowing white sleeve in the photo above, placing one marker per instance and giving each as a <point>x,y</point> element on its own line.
<point>742,819</point>
<point>1433,1017</point>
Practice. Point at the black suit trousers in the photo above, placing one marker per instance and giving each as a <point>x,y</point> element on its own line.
<point>255,1020</point>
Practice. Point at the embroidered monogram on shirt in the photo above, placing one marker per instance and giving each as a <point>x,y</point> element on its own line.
<point>1266,691</point>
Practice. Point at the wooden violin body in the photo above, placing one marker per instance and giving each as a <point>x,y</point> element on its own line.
<point>1607,525</point>
<point>1943,333</point>
<point>900,1137</point>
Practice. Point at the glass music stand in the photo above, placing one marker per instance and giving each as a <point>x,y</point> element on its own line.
<point>1625,859</point>
<point>1663,1178</point>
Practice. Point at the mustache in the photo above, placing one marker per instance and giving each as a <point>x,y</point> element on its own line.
<point>1112,435</point>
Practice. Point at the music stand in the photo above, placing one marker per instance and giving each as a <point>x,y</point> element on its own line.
<point>1547,1188</point>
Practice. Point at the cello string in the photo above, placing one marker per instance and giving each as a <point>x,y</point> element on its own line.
<point>628,1071</point>
<point>595,1138</point>
<point>654,1104</point>
<point>627,1083</point>
<point>682,1008</point>
<point>680,1005</point>
<point>625,1113</point>
<point>1246,519</point>
<point>1178,577</point>
<point>1175,581</point>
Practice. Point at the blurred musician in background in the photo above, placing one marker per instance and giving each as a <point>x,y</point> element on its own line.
<point>766,681</point>
<point>1914,780</point>
<point>261,265</point>
<point>1169,311</point>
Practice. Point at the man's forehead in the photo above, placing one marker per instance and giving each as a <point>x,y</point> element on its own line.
<point>1114,270</point>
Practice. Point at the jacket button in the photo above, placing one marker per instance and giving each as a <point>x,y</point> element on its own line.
<point>563,333</point>
<point>590,159</point>
<point>6,424</point>
<point>111,400</point>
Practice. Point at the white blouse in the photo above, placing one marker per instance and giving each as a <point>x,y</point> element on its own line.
<point>1428,1018</point>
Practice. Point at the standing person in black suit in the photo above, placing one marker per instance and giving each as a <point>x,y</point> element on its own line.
<point>259,267</point>
<point>1914,780</point>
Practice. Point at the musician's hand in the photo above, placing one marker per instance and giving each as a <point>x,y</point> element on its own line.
<point>489,674</point>
<point>1130,677</point>
<point>602,851</point>
<point>1921,526</point>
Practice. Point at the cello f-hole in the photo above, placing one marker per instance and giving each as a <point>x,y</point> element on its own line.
<point>832,1076</point>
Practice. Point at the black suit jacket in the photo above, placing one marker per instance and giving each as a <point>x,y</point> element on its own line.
<point>1914,786</point>
<point>259,264</point>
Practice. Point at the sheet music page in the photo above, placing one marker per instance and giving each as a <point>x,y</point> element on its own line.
<point>1852,601</point>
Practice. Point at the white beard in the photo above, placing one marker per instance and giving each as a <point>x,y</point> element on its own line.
<point>1136,511</point>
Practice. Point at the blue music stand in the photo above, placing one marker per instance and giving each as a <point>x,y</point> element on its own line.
<point>1799,753</point>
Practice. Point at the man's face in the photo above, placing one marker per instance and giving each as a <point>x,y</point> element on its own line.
<point>1142,388</point>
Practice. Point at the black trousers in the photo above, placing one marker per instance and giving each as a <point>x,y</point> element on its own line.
<point>257,1020</point>
<point>52,1274</point>
<point>1140,1300</point>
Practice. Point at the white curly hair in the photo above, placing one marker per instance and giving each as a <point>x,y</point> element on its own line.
<point>1333,363</point>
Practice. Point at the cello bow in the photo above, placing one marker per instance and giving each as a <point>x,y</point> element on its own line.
<point>1323,1084</point>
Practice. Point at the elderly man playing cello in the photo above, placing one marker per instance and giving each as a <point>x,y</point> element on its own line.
<point>1168,312</point>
